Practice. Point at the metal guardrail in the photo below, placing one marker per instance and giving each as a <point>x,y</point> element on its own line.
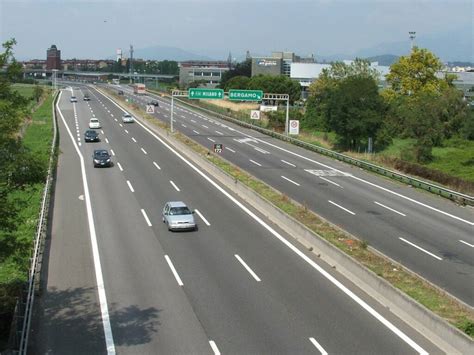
<point>24,306</point>
<point>436,189</point>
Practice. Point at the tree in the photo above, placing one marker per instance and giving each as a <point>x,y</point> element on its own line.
<point>237,82</point>
<point>241,69</point>
<point>355,110</point>
<point>416,73</point>
<point>279,84</point>
<point>38,92</point>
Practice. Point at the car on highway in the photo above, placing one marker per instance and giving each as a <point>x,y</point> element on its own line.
<point>127,118</point>
<point>91,136</point>
<point>73,99</point>
<point>177,216</point>
<point>94,123</point>
<point>120,92</point>
<point>154,103</point>
<point>86,97</point>
<point>101,158</point>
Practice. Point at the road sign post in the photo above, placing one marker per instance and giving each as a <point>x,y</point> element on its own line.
<point>206,94</point>
<point>245,95</point>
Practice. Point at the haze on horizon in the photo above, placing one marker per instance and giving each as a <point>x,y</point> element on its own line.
<point>95,29</point>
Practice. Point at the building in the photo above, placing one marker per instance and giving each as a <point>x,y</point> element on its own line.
<point>279,63</point>
<point>306,73</point>
<point>53,58</point>
<point>207,72</point>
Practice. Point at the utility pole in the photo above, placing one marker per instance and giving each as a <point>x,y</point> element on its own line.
<point>412,35</point>
<point>131,63</point>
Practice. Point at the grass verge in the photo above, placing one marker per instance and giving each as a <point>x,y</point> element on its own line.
<point>14,263</point>
<point>432,298</point>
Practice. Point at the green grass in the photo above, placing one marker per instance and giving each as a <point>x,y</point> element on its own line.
<point>456,159</point>
<point>25,90</point>
<point>39,133</point>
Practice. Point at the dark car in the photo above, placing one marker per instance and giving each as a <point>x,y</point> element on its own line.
<point>86,97</point>
<point>91,136</point>
<point>101,157</point>
<point>154,103</point>
<point>120,92</point>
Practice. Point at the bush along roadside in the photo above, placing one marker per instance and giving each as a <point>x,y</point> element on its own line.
<point>434,299</point>
<point>16,242</point>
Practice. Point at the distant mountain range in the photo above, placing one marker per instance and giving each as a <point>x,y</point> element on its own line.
<point>170,53</point>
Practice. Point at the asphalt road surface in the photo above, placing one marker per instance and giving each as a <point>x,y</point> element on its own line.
<point>118,280</point>
<point>428,234</point>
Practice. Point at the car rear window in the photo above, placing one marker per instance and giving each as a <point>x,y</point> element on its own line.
<point>176,211</point>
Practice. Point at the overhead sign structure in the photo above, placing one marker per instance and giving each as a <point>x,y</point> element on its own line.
<point>294,127</point>
<point>150,109</point>
<point>218,147</point>
<point>245,95</point>
<point>255,114</point>
<point>206,94</point>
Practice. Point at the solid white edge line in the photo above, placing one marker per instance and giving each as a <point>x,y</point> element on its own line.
<point>420,248</point>
<point>318,346</point>
<point>293,182</point>
<point>202,217</point>
<point>290,164</point>
<point>109,339</point>
<point>214,347</point>
<point>331,182</point>
<point>342,208</point>
<point>253,161</point>
<point>361,180</point>
<point>147,220</point>
<point>293,248</point>
<point>130,186</point>
<point>173,270</point>
<point>156,165</point>
<point>144,151</point>
<point>390,209</point>
<point>250,271</point>
<point>120,166</point>
<point>462,241</point>
<point>174,185</point>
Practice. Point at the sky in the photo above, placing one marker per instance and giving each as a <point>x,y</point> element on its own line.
<point>95,29</point>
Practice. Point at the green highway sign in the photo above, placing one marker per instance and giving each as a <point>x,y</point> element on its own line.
<point>206,94</point>
<point>246,95</point>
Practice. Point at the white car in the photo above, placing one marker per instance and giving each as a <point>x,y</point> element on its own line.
<point>94,123</point>
<point>127,118</point>
<point>73,99</point>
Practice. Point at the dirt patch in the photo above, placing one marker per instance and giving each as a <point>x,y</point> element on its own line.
<point>234,106</point>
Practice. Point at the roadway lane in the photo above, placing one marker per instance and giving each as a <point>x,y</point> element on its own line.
<point>436,240</point>
<point>279,313</point>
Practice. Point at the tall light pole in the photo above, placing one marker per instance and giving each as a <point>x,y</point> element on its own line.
<point>412,35</point>
<point>131,63</point>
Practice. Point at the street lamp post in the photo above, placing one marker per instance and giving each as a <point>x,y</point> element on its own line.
<point>412,35</point>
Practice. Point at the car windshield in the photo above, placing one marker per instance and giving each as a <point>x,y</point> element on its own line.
<point>91,133</point>
<point>127,115</point>
<point>101,154</point>
<point>94,120</point>
<point>177,211</point>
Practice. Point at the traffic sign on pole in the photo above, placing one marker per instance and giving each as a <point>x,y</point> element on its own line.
<point>150,109</point>
<point>206,94</point>
<point>245,95</point>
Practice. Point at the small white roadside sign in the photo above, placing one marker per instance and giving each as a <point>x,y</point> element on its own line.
<point>150,109</point>
<point>294,127</point>
<point>255,114</point>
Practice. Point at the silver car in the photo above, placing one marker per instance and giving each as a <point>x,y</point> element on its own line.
<point>127,118</point>
<point>178,216</point>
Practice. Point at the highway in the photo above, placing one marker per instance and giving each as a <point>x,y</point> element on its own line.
<point>427,234</point>
<point>118,280</point>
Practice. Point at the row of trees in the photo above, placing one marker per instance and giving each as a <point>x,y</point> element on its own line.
<point>417,104</point>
